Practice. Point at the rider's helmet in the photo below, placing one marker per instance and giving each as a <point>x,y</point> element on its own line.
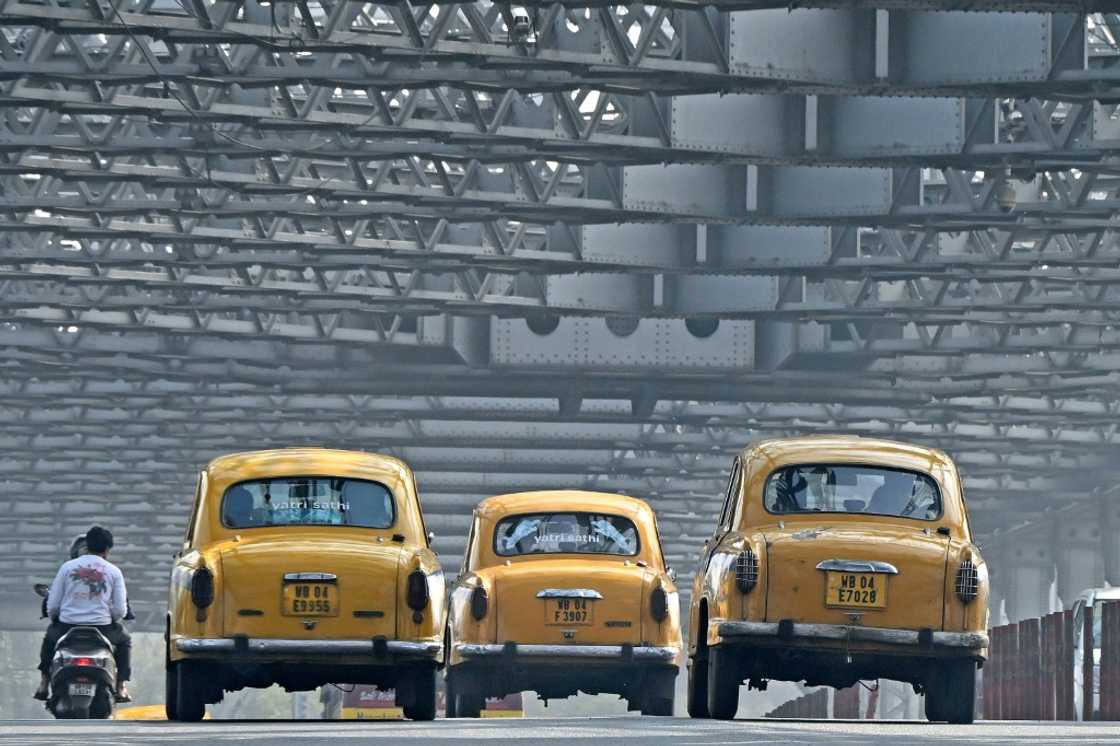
<point>78,546</point>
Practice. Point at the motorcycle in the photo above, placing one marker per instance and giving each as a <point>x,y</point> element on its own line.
<point>83,673</point>
<point>83,670</point>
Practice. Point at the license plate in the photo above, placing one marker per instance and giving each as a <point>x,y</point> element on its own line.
<point>864,590</point>
<point>567,612</point>
<point>310,599</point>
<point>82,690</point>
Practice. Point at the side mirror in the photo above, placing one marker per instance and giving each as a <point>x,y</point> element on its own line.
<point>431,537</point>
<point>41,589</point>
<point>672,573</point>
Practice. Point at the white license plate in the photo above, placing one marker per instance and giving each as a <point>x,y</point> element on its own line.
<point>82,690</point>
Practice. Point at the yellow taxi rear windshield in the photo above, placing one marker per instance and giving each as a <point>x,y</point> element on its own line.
<point>838,488</point>
<point>308,501</point>
<point>566,533</point>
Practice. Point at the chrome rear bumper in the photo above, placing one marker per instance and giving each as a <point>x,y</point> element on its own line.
<point>585,652</point>
<point>271,646</point>
<point>850,633</point>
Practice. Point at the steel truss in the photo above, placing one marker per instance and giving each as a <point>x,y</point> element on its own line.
<point>603,251</point>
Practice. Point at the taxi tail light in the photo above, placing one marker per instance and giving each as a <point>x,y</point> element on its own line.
<point>746,570</point>
<point>480,603</point>
<point>417,595</point>
<point>659,604</point>
<point>202,587</point>
<point>968,581</point>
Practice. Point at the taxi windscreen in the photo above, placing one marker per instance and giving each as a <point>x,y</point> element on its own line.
<point>308,501</point>
<point>566,533</point>
<point>825,488</point>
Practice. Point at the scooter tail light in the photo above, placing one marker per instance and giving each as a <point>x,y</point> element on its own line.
<point>82,661</point>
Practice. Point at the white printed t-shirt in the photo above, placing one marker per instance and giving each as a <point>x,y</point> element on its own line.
<point>87,590</point>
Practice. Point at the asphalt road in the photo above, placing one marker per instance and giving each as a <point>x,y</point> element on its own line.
<point>675,731</point>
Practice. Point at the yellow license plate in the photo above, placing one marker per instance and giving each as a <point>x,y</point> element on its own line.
<point>568,612</point>
<point>309,599</point>
<point>864,590</point>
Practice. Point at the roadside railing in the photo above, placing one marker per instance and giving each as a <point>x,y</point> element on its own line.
<point>1046,668</point>
<point>813,705</point>
<point>1036,670</point>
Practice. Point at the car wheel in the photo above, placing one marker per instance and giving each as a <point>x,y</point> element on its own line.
<point>951,692</point>
<point>658,694</point>
<point>423,705</point>
<point>170,706</point>
<point>449,686</point>
<point>170,692</point>
<point>190,704</point>
<point>469,705</point>
<point>698,685</point>
<point>723,684</point>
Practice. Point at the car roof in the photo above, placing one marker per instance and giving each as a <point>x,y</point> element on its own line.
<point>823,448</point>
<point>237,467</point>
<point>557,500</point>
<point>1100,593</point>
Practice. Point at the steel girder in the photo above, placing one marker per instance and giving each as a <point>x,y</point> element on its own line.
<point>625,48</point>
<point>235,226</point>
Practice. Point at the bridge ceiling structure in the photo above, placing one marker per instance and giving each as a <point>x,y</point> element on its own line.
<point>553,244</point>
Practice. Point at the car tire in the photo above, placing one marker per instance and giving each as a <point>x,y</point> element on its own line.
<point>423,705</point>
<point>170,706</point>
<point>190,702</point>
<point>469,704</point>
<point>951,692</point>
<point>698,685</point>
<point>170,692</point>
<point>449,697</point>
<point>658,694</point>
<point>723,684</point>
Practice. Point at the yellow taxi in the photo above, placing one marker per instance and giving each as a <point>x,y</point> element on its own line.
<point>302,567</point>
<point>837,559</point>
<point>562,592</point>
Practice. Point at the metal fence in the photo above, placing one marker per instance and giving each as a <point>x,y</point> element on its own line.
<point>1048,668</point>
<point>1055,667</point>
<point>811,705</point>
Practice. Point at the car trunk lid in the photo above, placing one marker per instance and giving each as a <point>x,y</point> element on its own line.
<point>276,587</point>
<point>861,558</point>
<point>564,602</point>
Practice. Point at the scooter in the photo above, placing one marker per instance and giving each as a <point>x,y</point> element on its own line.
<point>83,673</point>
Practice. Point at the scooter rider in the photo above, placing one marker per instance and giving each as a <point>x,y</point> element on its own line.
<point>88,591</point>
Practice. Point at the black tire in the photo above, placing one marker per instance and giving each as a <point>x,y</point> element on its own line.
<point>723,684</point>
<point>101,707</point>
<point>190,700</point>
<point>79,712</point>
<point>659,693</point>
<point>469,704</point>
<point>698,685</point>
<point>449,685</point>
<point>170,683</point>
<point>171,692</point>
<point>951,692</point>
<point>423,705</point>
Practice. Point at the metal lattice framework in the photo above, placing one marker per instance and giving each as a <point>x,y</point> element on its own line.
<point>604,246</point>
